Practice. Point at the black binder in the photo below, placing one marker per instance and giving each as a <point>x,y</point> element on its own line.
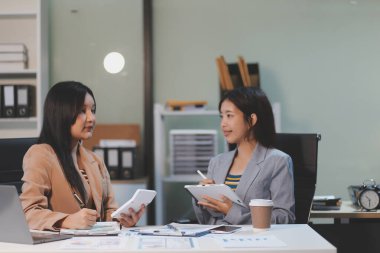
<point>127,158</point>
<point>109,155</point>
<point>8,101</point>
<point>23,100</point>
<point>112,162</point>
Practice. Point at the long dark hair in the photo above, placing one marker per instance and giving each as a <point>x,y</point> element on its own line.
<point>253,100</point>
<point>63,103</point>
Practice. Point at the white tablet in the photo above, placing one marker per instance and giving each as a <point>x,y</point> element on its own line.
<point>140,197</point>
<point>214,191</point>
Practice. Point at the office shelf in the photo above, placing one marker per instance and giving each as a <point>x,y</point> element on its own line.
<point>18,73</point>
<point>25,21</point>
<point>161,175</point>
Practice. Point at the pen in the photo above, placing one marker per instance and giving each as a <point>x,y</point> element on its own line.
<point>175,229</point>
<point>201,174</point>
<point>80,202</point>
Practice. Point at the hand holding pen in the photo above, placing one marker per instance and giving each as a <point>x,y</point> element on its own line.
<point>208,202</point>
<point>205,180</point>
<point>85,218</point>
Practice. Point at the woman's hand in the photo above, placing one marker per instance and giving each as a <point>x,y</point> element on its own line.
<point>130,219</point>
<point>223,206</point>
<point>206,181</point>
<point>83,219</point>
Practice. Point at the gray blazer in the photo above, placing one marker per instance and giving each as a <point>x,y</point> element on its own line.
<point>269,175</point>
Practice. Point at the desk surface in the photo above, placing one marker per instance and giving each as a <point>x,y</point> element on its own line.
<point>298,238</point>
<point>347,210</point>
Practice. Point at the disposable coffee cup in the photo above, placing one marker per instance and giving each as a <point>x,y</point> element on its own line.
<point>261,214</point>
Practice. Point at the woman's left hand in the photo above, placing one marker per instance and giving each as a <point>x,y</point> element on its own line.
<point>130,219</point>
<point>223,206</point>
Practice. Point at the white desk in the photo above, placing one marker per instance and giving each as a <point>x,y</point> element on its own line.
<point>298,238</point>
<point>347,211</point>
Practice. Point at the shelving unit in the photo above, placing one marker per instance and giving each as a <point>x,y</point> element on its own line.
<point>25,21</point>
<point>161,175</point>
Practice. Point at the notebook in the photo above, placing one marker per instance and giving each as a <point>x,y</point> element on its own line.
<point>214,191</point>
<point>14,227</point>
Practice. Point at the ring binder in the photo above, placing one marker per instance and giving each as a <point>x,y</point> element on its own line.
<point>127,162</point>
<point>8,101</point>
<point>113,162</point>
<point>23,100</point>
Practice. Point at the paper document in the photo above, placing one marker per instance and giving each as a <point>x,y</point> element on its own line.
<point>324,197</point>
<point>268,241</point>
<point>94,243</point>
<point>152,242</point>
<point>176,229</point>
<point>100,228</point>
<point>141,196</point>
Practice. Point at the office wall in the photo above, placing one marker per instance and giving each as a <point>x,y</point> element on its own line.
<point>319,58</point>
<point>82,32</point>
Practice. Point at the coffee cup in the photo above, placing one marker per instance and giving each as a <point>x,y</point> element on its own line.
<point>261,214</point>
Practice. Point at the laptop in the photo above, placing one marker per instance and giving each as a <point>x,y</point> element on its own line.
<point>14,227</point>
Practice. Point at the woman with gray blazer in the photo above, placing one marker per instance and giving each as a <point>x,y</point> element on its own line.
<point>254,170</point>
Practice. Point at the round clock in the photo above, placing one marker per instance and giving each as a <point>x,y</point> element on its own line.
<point>369,195</point>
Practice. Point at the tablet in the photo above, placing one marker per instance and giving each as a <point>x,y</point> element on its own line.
<point>140,197</point>
<point>214,191</point>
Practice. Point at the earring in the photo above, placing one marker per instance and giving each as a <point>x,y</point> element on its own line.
<point>253,119</point>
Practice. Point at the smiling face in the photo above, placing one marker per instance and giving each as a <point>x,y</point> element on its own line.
<point>84,124</point>
<point>233,124</point>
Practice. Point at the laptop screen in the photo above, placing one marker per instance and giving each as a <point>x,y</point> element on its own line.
<point>14,227</point>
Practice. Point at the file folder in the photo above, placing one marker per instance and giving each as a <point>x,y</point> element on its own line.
<point>8,101</point>
<point>113,162</point>
<point>23,100</point>
<point>1,101</point>
<point>103,153</point>
<point>100,152</point>
<point>127,162</point>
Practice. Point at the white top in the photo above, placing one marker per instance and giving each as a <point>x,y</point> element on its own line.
<point>297,238</point>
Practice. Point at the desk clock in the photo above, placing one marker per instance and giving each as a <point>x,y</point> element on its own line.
<point>368,195</point>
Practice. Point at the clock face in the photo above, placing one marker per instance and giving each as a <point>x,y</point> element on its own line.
<point>369,199</point>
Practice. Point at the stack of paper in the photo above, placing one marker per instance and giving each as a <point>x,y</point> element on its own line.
<point>100,228</point>
<point>13,56</point>
<point>329,202</point>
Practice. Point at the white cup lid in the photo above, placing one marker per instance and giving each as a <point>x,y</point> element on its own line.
<point>261,202</point>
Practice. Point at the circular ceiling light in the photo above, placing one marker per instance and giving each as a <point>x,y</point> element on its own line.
<point>114,62</point>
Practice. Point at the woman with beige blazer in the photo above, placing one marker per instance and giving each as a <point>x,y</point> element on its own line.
<point>66,185</point>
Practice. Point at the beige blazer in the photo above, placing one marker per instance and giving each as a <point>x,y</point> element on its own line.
<point>47,196</point>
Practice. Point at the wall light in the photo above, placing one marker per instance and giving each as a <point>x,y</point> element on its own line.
<point>114,62</point>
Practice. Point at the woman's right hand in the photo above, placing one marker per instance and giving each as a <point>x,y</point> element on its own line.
<point>206,181</point>
<point>83,219</point>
